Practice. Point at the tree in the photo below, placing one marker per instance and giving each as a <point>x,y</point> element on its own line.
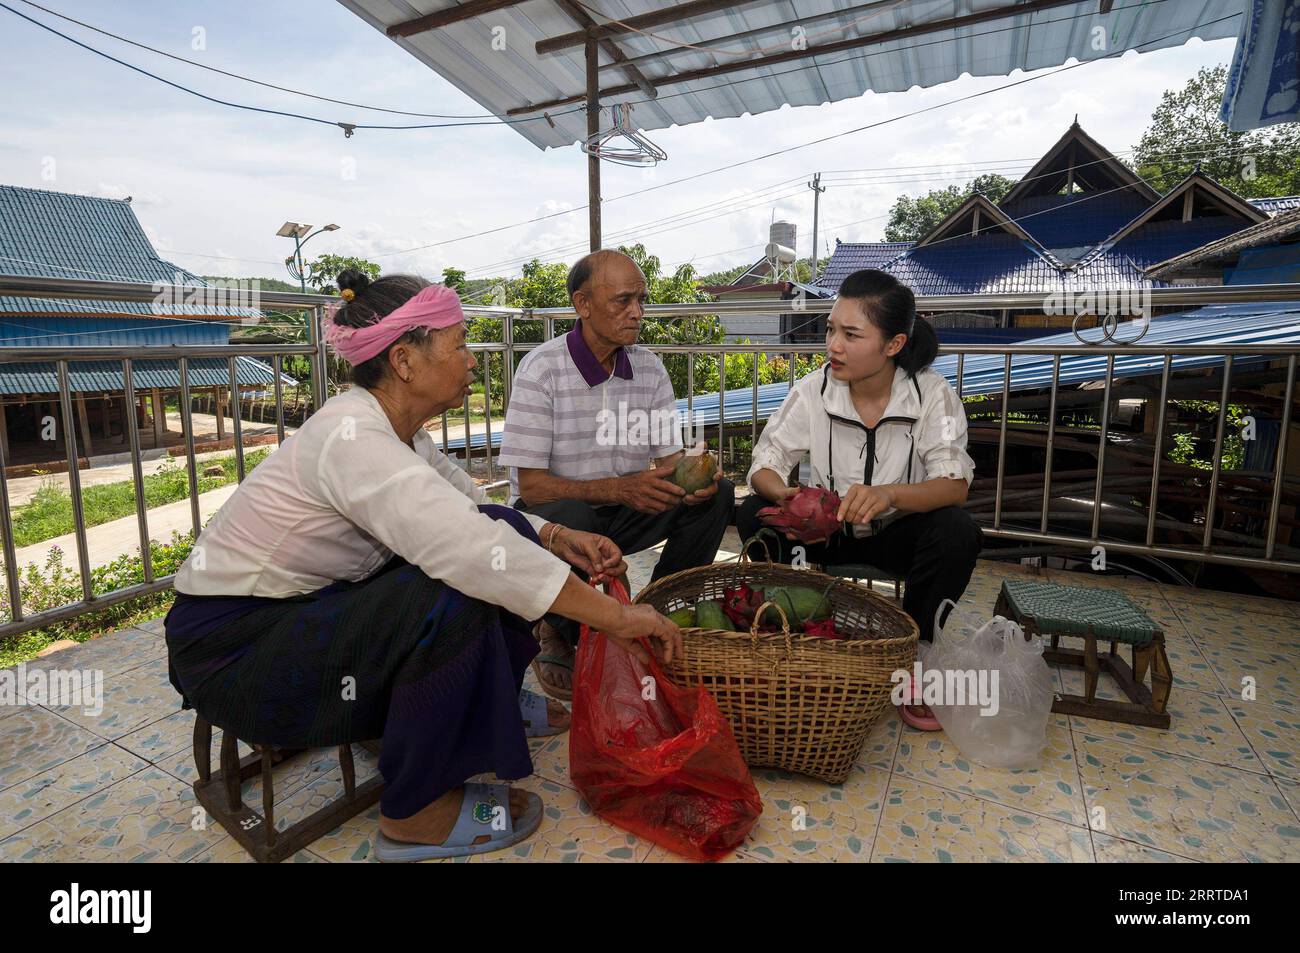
<point>322,272</point>
<point>911,218</point>
<point>1186,131</point>
<point>454,278</point>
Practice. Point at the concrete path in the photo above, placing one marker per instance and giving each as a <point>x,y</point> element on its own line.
<point>107,541</point>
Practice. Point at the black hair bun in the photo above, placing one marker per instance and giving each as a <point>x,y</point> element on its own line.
<point>352,279</point>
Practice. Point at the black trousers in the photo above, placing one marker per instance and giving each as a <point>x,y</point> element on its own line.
<point>933,552</point>
<point>693,533</point>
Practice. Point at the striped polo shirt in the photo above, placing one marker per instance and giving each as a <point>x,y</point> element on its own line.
<point>569,416</point>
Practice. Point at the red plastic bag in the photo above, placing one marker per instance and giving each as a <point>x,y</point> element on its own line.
<point>665,767</point>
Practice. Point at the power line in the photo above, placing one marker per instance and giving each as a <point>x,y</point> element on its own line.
<point>805,145</point>
<point>347,128</point>
<point>283,89</point>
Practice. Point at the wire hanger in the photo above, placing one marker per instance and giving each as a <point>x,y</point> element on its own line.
<point>622,143</point>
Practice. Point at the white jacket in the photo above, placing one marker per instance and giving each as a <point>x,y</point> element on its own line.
<point>341,496</point>
<point>921,436</point>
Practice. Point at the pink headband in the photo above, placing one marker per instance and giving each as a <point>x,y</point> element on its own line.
<point>434,307</point>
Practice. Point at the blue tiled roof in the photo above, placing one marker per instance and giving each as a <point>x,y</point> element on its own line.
<point>1074,221</point>
<point>1281,203</point>
<point>998,263</point>
<point>59,235</point>
<point>849,257</point>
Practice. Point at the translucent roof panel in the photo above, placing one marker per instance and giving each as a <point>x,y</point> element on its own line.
<point>743,58</point>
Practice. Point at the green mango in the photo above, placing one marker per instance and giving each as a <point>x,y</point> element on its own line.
<point>694,473</point>
<point>683,618</point>
<point>709,615</point>
<point>800,604</point>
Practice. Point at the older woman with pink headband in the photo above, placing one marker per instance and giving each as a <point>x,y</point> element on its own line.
<point>358,585</point>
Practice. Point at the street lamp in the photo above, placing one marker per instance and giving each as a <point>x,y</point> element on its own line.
<point>300,236</point>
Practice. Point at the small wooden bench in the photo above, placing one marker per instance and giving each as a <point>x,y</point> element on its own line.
<point>219,794</point>
<point>1052,611</point>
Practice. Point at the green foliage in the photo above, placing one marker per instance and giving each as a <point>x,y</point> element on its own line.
<point>49,512</point>
<point>56,584</point>
<point>322,272</point>
<point>454,278</point>
<point>1256,163</point>
<point>1186,446</point>
<point>911,218</point>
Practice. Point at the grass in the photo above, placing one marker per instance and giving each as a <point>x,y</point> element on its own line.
<point>49,512</point>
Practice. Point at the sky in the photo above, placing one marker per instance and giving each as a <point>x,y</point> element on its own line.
<point>212,184</point>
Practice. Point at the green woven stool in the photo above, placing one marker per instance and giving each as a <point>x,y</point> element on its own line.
<point>1051,611</point>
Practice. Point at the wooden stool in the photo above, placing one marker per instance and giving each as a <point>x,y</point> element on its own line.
<point>856,571</point>
<point>219,794</point>
<point>1051,611</point>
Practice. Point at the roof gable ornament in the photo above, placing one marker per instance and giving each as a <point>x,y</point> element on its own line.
<point>1078,162</point>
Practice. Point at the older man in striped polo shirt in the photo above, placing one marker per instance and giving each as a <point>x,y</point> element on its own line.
<point>592,438</point>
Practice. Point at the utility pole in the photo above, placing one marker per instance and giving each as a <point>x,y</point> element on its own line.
<point>593,128</point>
<point>818,189</point>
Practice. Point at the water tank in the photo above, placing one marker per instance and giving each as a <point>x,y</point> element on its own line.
<point>782,233</point>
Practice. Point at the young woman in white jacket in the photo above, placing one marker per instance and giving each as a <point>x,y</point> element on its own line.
<point>887,434</point>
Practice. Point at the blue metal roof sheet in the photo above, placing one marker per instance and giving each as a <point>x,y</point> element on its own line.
<point>39,377</point>
<point>47,234</point>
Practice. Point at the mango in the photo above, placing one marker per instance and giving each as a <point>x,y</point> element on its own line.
<point>695,471</point>
<point>709,615</point>
<point>683,618</point>
<point>800,604</point>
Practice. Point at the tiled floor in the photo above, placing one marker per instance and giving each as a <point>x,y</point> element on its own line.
<point>1222,784</point>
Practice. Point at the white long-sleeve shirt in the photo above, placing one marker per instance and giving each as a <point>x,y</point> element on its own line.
<point>920,436</point>
<point>341,496</point>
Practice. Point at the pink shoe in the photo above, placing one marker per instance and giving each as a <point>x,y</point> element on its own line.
<point>918,715</point>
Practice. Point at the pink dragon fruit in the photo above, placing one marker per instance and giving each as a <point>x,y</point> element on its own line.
<point>809,515</point>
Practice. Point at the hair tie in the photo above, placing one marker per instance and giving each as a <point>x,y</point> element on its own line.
<point>347,294</point>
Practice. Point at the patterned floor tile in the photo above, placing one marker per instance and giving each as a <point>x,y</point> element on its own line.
<point>882,743</point>
<point>808,820</point>
<point>131,700</point>
<point>1274,733</point>
<point>569,833</point>
<point>1187,807</point>
<point>35,740</point>
<point>1226,629</point>
<point>1201,726</point>
<point>1113,850</point>
<point>924,823</point>
<point>49,792</point>
<point>149,816</point>
<point>230,851</point>
<point>110,653</point>
<point>1273,677</point>
<point>1052,789</point>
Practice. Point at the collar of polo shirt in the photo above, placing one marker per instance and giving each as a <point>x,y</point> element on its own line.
<point>593,372</point>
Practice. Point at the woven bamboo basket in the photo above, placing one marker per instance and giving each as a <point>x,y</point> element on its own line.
<point>796,702</point>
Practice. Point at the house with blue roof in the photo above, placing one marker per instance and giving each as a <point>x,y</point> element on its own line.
<point>60,235</point>
<point>1078,221</point>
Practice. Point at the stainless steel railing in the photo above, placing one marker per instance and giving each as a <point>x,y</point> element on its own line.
<point>1272,553</point>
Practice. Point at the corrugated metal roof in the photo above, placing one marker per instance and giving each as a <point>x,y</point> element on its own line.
<point>1280,203</point>
<point>1228,324</point>
<point>108,332</point>
<point>47,234</point>
<point>501,79</point>
<point>39,377</point>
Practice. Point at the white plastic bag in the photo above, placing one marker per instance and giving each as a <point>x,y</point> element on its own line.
<point>993,689</point>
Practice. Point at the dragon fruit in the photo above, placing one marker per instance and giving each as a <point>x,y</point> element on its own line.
<point>824,629</point>
<point>809,515</point>
<point>741,603</point>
